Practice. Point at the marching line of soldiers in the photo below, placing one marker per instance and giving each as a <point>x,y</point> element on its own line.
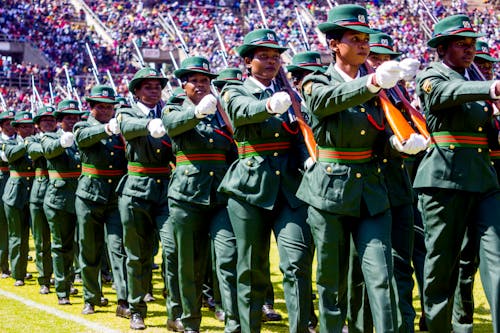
<point>225,162</point>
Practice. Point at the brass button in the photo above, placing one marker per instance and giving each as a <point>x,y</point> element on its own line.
<point>479,129</point>
<point>276,135</point>
<point>384,160</point>
<point>110,181</point>
<point>358,175</point>
<point>28,188</point>
<point>211,140</point>
<point>186,172</point>
<point>89,176</point>
<point>29,168</point>
<point>402,166</point>
<point>363,132</point>
<point>78,165</point>
<point>110,166</point>
<point>485,109</point>
<point>379,170</point>
<point>110,140</point>
<point>249,163</point>
<point>375,103</point>
<point>112,153</point>
<point>211,173</point>
<point>158,181</point>
<point>452,146</point>
<point>362,110</point>
<point>479,150</point>
<point>27,178</point>
<point>275,154</point>
<point>209,125</point>
<point>278,172</point>
<point>329,169</point>
<point>158,151</point>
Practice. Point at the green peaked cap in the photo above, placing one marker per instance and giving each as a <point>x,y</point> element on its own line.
<point>102,94</point>
<point>193,65</point>
<point>67,106</point>
<point>306,61</point>
<point>259,38</point>
<point>483,51</point>
<point>24,117</point>
<point>353,17</point>
<point>46,110</point>
<point>178,96</point>
<point>7,115</point>
<point>382,43</point>
<point>146,74</point>
<point>455,25</point>
<point>229,76</point>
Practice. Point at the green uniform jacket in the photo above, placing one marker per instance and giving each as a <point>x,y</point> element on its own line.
<point>344,115</point>
<point>453,104</point>
<point>61,191</point>
<point>102,152</point>
<point>143,148</point>
<point>4,172</point>
<point>197,182</point>
<point>34,149</point>
<point>17,189</point>
<point>259,179</point>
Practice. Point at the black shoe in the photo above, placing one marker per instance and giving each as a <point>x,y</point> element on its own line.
<point>44,290</point>
<point>155,266</point>
<point>19,283</point>
<point>220,315</point>
<point>104,301</point>
<point>149,298</point>
<point>136,322</point>
<point>88,309</point>
<point>5,275</point>
<point>30,258</point>
<point>209,303</point>
<point>269,314</point>
<point>63,301</point>
<point>175,325</point>
<point>122,310</point>
<point>78,278</point>
<point>28,276</point>
<point>73,291</point>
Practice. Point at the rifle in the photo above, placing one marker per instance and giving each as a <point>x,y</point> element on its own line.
<point>302,30</point>
<point>139,55</point>
<point>111,81</point>
<point>305,129</point>
<point>94,66</point>
<point>51,94</point>
<point>223,47</point>
<point>417,117</point>
<point>2,102</point>
<point>37,100</point>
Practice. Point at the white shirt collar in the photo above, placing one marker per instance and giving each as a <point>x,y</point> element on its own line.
<point>466,75</point>
<point>145,109</point>
<point>263,87</point>
<point>344,75</point>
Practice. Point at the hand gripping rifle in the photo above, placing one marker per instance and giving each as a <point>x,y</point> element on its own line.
<point>305,129</point>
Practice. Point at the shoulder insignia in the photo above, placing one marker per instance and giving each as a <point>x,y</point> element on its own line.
<point>26,142</point>
<point>427,86</point>
<point>119,118</point>
<point>226,97</point>
<point>165,110</point>
<point>3,147</point>
<point>307,88</point>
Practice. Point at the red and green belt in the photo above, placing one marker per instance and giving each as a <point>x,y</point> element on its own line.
<point>344,155</point>
<point>459,139</point>
<point>190,157</point>
<point>147,170</point>
<point>22,174</point>
<point>54,174</point>
<point>90,170</point>
<point>262,148</point>
<point>41,172</point>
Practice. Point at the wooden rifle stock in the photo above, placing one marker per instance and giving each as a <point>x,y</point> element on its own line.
<point>398,123</point>
<point>222,113</point>
<point>305,129</point>
<point>417,118</point>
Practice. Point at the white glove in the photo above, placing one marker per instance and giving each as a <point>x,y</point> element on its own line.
<point>388,74</point>
<point>308,163</point>
<point>3,156</point>
<point>278,103</point>
<point>67,139</point>
<point>415,144</point>
<point>156,128</point>
<point>112,127</point>
<point>207,105</point>
<point>409,68</point>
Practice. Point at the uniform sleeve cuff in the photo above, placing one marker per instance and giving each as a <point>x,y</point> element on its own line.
<point>371,87</point>
<point>492,90</point>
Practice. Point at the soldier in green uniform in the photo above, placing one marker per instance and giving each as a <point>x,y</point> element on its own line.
<point>345,188</point>
<point>261,186</point>
<point>46,123</point>
<point>16,194</point>
<point>7,133</point>
<point>458,187</point>
<point>103,164</point>
<point>463,302</point>
<point>204,149</point>
<point>143,201</point>
<point>63,164</point>
<point>401,200</point>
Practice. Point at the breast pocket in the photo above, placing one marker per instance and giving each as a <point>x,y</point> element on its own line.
<point>334,181</point>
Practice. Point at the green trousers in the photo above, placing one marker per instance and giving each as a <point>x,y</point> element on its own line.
<point>463,302</point>
<point>62,229</point>
<point>171,260</point>
<point>4,240</point>
<point>372,239</point>
<point>100,225</point>
<point>193,226</point>
<point>19,231</point>
<point>141,219</point>
<point>252,227</point>
<point>446,215</point>
<point>41,237</point>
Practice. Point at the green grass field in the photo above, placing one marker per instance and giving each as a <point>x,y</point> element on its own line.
<point>17,317</point>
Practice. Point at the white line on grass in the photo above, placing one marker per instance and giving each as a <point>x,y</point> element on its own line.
<point>64,315</point>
